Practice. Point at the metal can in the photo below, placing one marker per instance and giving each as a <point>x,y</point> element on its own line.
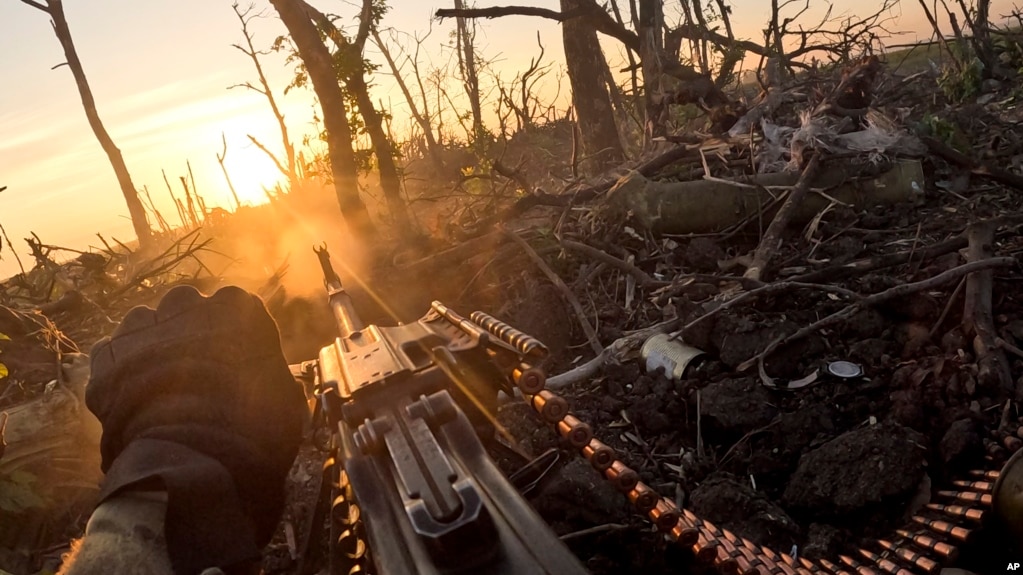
<point>671,354</point>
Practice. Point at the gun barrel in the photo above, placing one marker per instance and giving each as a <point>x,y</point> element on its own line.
<point>348,321</point>
<point>341,304</point>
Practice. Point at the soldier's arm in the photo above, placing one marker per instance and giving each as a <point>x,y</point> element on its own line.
<point>124,535</point>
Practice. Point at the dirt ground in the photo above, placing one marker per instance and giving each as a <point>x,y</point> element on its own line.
<point>819,470</point>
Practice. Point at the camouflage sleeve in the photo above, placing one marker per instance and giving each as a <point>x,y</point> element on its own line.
<point>124,535</point>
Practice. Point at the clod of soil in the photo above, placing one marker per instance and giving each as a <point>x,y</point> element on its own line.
<point>962,446</point>
<point>703,254</point>
<point>866,474</point>
<point>736,339</point>
<point>736,406</point>
<point>577,497</point>
<point>823,541</point>
<point>546,318</point>
<point>735,506</point>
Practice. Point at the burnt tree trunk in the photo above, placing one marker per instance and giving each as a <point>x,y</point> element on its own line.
<point>594,116</point>
<point>320,67</point>
<point>651,47</point>
<point>390,182</point>
<point>139,220</point>
<point>353,74</point>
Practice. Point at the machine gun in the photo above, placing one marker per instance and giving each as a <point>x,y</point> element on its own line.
<point>411,487</point>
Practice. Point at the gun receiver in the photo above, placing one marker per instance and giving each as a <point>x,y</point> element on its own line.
<point>406,407</point>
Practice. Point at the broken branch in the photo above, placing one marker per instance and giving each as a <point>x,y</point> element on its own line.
<point>618,352</point>
<point>644,279</point>
<point>564,289</point>
<point>772,237</point>
<point>886,295</point>
<point>978,318</point>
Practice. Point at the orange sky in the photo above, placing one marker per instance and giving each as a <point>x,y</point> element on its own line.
<point>159,71</point>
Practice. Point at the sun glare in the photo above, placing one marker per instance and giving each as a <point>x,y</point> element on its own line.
<point>251,171</point>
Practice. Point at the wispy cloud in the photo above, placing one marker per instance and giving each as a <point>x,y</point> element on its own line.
<point>30,127</point>
<point>146,102</point>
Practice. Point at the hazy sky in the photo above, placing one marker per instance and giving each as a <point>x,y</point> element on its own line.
<point>159,70</point>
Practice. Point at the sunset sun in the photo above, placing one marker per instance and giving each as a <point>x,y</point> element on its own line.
<point>251,171</point>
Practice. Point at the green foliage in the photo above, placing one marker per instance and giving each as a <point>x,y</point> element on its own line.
<point>960,83</point>
<point>3,368</point>
<point>944,131</point>
<point>17,493</point>
<point>474,178</point>
<point>1008,49</point>
<point>685,114</point>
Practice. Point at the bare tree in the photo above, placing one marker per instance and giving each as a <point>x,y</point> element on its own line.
<point>976,16</point>
<point>136,210</point>
<point>588,74</point>
<point>353,69</point>
<point>249,50</point>
<point>470,77</point>
<point>587,15</point>
<point>320,67</point>
<point>520,97</point>
<point>220,160</point>
<point>421,118</point>
<point>580,21</point>
<point>651,48</point>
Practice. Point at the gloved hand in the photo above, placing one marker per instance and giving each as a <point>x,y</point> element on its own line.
<point>196,399</point>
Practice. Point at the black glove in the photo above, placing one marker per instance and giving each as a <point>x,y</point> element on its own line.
<point>196,399</point>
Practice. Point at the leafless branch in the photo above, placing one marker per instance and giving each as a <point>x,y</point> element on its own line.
<point>589,9</point>
<point>273,157</point>
<point>37,5</point>
<point>245,17</point>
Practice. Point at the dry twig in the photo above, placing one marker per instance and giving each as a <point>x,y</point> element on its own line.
<point>766,289</point>
<point>978,318</point>
<point>564,289</point>
<point>772,237</point>
<point>886,295</point>
<point>619,350</point>
<point>163,262</point>
<point>644,279</point>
